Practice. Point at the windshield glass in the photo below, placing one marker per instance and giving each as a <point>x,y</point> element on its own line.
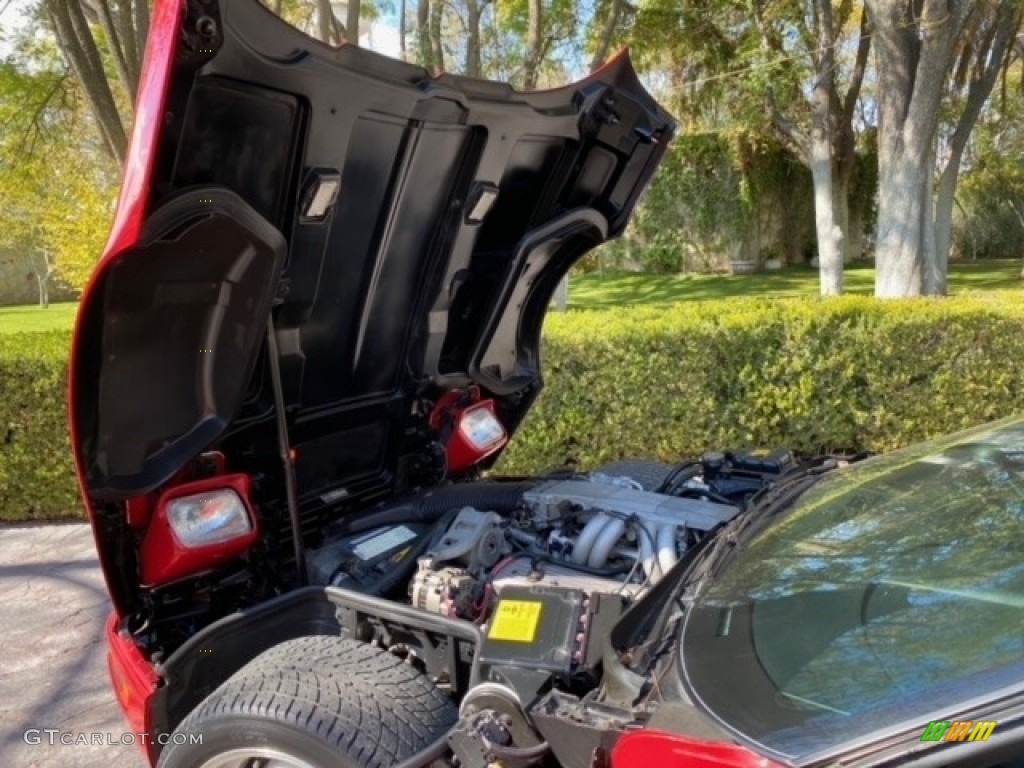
<point>891,592</point>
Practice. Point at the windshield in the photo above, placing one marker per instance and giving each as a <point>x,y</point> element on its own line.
<point>891,592</point>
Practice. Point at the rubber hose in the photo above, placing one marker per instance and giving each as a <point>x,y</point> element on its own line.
<point>606,542</point>
<point>433,751</point>
<point>432,505</point>
<point>585,542</point>
<point>607,573</point>
<point>668,550</point>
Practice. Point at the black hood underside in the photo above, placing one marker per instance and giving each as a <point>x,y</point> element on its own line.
<point>460,204</point>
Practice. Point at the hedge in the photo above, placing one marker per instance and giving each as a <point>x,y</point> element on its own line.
<point>841,374</point>
<point>36,476</point>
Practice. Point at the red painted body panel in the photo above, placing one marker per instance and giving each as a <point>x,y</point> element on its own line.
<point>131,674</point>
<point>451,408</point>
<point>648,748</point>
<point>133,680</point>
<point>138,166</point>
<point>163,559</point>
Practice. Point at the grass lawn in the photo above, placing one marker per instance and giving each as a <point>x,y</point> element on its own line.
<point>33,318</point>
<point>596,291</point>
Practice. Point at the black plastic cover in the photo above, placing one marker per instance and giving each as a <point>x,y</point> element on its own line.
<point>183,315</point>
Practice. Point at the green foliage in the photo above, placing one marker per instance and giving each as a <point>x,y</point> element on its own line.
<point>989,221</point>
<point>719,196</point>
<point>56,186</point>
<point>36,476</point>
<point>847,374</point>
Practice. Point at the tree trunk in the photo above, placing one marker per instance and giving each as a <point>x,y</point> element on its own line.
<point>900,231</point>
<point>830,252</point>
<point>44,290</point>
<point>604,43</point>
<point>43,281</point>
<point>77,44</point>
<point>914,50</point>
<point>402,41</point>
<point>330,30</point>
<point>323,17</point>
<point>141,26</point>
<point>352,21</point>
<point>991,60</point>
<point>117,53</point>
<point>561,297</point>
<point>129,42</point>
<point>534,44</point>
<point>935,277</point>
<point>841,214</point>
<point>830,241</point>
<point>436,17</point>
<point>423,36</point>
<point>473,63</point>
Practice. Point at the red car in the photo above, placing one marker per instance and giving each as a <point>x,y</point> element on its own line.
<point>315,326</point>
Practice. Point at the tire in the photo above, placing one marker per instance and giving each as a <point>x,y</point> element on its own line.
<point>650,474</point>
<point>320,702</point>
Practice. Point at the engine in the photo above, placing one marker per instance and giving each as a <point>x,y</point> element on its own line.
<point>545,568</point>
<point>599,533</point>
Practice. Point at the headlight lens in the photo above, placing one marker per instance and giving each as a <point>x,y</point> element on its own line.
<point>208,518</point>
<point>481,428</point>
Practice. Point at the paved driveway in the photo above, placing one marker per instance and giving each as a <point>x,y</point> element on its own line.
<point>52,657</point>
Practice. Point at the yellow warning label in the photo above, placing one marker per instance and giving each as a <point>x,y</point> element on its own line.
<point>516,621</point>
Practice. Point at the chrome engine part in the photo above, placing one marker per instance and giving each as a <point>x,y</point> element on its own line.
<point>654,508</point>
<point>522,572</point>
<point>621,520</point>
<point>602,536</point>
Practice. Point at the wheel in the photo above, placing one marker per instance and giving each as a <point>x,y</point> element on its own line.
<point>650,474</point>
<point>314,702</point>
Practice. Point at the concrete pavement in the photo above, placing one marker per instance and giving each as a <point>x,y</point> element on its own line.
<point>52,657</point>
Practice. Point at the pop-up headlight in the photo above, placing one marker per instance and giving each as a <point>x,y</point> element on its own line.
<point>196,527</point>
<point>208,518</point>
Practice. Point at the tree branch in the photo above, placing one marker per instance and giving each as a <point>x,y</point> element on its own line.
<point>787,130</point>
<point>79,48</point>
<point>859,68</point>
<point>1008,20</point>
<point>106,19</point>
<point>129,41</point>
<point>141,8</point>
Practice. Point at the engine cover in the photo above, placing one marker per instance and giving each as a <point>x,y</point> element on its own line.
<point>546,500</point>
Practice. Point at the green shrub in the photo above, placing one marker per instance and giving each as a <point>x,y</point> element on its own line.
<point>36,476</point>
<point>846,374</point>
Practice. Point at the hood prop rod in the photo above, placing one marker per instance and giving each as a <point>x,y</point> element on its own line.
<point>287,456</point>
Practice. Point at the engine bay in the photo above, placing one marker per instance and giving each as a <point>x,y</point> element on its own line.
<point>545,569</point>
<point>505,593</point>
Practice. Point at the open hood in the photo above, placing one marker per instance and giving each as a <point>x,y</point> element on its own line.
<point>402,234</point>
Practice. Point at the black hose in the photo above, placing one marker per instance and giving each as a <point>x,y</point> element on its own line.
<point>433,751</point>
<point>607,572</point>
<point>430,506</point>
<point>682,472</point>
